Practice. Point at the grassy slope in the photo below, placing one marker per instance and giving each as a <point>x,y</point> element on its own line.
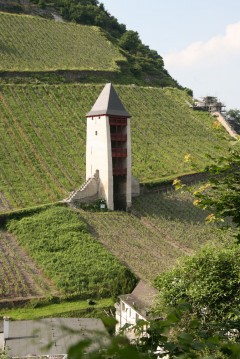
<point>19,275</point>
<point>167,227</point>
<point>42,137</point>
<point>75,262</point>
<point>64,309</point>
<point>35,44</point>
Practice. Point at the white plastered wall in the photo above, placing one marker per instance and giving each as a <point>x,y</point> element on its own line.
<point>99,156</point>
<point>125,314</point>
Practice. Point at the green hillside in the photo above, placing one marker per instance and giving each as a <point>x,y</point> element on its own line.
<point>52,236</point>
<point>50,250</point>
<point>36,49</point>
<point>31,43</point>
<point>165,227</point>
<point>20,277</point>
<point>42,138</point>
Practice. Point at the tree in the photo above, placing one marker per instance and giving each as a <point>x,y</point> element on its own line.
<point>208,281</point>
<point>233,117</point>
<point>234,114</point>
<point>221,194</point>
<point>130,41</point>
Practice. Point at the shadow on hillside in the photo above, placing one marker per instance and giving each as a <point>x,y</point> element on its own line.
<point>169,207</point>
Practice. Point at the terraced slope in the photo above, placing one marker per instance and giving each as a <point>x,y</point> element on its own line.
<point>34,44</point>
<point>143,251</point>
<point>20,278</point>
<point>167,226</point>
<point>42,138</point>
<point>173,216</point>
<point>60,244</point>
<point>164,227</point>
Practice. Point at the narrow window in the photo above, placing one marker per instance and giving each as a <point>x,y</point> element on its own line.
<point>96,133</point>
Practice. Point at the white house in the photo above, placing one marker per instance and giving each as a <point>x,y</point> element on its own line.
<point>134,306</point>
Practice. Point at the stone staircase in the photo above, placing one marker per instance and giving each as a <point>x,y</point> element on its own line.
<point>226,124</point>
<point>88,191</point>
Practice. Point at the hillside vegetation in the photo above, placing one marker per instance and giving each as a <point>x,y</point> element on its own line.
<point>165,227</point>
<point>30,43</point>
<point>34,47</point>
<point>90,254</point>
<point>20,278</point>
<point>144,64</point>
<point>78,264</point>
<point>42,137</point>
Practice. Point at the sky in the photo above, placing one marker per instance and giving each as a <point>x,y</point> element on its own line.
<point>198,40</point>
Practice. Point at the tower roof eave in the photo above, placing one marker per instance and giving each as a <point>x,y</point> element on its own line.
<point>108,113</point>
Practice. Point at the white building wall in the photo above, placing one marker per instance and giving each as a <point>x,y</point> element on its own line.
<point>1,342</point>
<point>99,156</point>
<point>125,314</point>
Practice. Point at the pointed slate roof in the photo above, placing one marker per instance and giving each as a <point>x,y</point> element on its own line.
<point>108,103</point>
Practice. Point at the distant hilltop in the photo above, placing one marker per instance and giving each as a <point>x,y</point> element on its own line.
<point>138,63</point>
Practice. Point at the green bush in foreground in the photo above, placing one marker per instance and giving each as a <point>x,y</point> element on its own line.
<point>208,281</point>
<point>59,242</point>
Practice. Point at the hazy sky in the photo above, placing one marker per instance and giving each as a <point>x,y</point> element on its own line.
<point>198,40</point>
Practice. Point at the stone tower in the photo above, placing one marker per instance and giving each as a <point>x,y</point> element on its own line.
<point>108,154</point>
<point>109,148</point>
